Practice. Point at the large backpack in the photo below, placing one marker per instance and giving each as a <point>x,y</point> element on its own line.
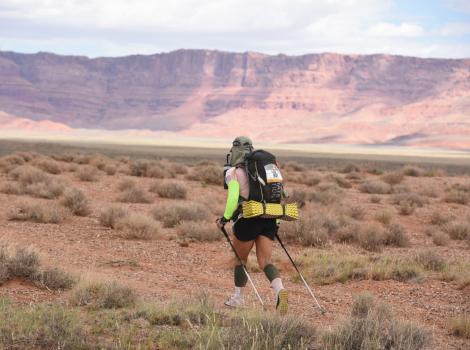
<point>264,177</point>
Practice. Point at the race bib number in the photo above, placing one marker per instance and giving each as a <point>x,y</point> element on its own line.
<point>273,174</point>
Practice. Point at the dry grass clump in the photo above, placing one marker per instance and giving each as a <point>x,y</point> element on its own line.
<point>24,263</point>
<point>309,179</point>
<point>139,226</point>
<point>326,194</point>
<point>356,212</point>
<point>439,218</point>
<point>110,169</point>
<point>354,176</point>
<point>460,326</point>
<point>393,177</point>
<point>134,195</point>
<point>375,199</point>
<point>8,163</point>
<point>48,165</point>
<point>458,230</point>
<point>146,168</point>
<point>409,197</point>
<point>170,189</point>
<point>395,235</point>
<point>207,174</point>
<point>198,231</point>
<point>77,202</point>
<point>40,326</point>
<point>414,171</point>
<point>339,180</point>
<point>371,237</point>
<point>298,196</point>
<point>38,212</point>
<point>439,238</point>
<point>293,166</point>
<point>110,216</point>
<point>384,216</point>
<point>375,187</point>
<point>103,295</point>
<point>126,184</point>
<point>429,260</point>
<point>175,213</point>
<point>87,173</point>
<point>349,168</point>
<point>34,182</point>
<point>406,208</point>
<point>456,195</point>
<point>373,326</point>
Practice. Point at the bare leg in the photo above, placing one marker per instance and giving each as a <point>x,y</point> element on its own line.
<point>243,249</point>
<point>264,250</point>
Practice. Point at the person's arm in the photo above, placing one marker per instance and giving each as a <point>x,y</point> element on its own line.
<point>232,199</point>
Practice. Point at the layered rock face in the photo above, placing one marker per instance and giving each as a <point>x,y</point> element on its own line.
<point>311,98</point>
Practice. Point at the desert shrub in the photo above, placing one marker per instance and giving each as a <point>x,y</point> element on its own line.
<point>349,168</point>
<point>375,199</point>
<point>384,216</point>
<point>42,326</point>
<point>393,177</point>
<point>458,229</point>
<point>439,218</point>
<point>298,196</point>
<point>169,189</point>
<point>415,171</point>
<point>429,191</point>
<point>55,279</point>
<point>309,179</point>
<point>36,212</point>
<point>139,226</point>
<point>126,184</point>
<point>372,326</point>
<point>354,176</point>
<point>375,171</point>
<point>293,166</point>
<point>87,173</point>
<point>24,263</point>
<point>429,260</point>
<point>77,202</point>
<point>209,175</point>
<point>375,187</point>
<point>440,238</point>
<point>48,165</point>
<point>347,232</point>
<point>10,162</point>
<point>110,216</point>
<point>103,295</point>
<point>160,171</point>
<point>326,194</point>
<point>37,183</point>
<point>371,237</point>
<point>406,207</point>
<point>175,213</point>
<point>139,168</point>
<point>199,231</point>
<point>460,326</point>
<point>410,197</point>
<point>177,168</point>
<point>395,235</point>
<point>356,212</point>
<point>339,180</point>
<point>12,188</point>
<point>110,169</point>
<point>134,195</point>
<point>457,196</point>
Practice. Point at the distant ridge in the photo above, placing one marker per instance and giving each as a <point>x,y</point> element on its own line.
<point>314,98</point>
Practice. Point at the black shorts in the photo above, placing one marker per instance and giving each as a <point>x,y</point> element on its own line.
<point>250,229</point>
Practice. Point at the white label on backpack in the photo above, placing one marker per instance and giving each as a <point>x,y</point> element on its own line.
<point>273,174</point>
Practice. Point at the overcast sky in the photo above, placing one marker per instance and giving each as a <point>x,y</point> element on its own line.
<point>425,28</point>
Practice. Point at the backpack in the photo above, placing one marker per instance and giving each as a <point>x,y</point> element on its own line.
<point>265,178</point>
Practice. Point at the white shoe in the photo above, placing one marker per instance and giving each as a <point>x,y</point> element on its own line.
<point>235,301</point>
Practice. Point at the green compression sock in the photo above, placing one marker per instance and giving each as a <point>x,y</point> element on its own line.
<point>240,276</point>
<point>271,272</point>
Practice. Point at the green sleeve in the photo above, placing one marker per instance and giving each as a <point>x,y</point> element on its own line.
<point>232,199</point>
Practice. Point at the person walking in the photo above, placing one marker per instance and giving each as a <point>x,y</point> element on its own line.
<point>249,232</point>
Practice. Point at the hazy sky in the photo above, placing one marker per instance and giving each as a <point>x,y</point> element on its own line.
<point>425,28</point>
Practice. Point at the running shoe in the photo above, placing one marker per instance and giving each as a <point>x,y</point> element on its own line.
<point>235,301</point>
<point>282,301</point>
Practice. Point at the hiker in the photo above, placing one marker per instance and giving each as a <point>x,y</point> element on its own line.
<point>249,231</point>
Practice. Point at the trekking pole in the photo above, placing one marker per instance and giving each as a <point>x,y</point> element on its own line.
<point>322,310</point>
<point>243,265</point>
